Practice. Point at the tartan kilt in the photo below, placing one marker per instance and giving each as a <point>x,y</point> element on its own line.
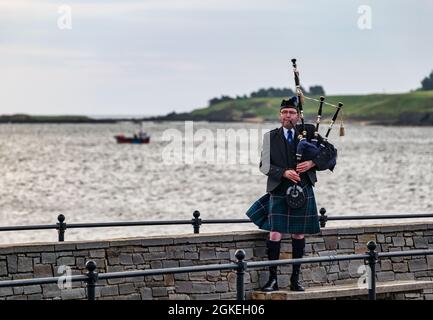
<point>272,213</point>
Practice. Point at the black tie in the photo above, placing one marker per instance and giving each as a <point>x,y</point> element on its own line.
<point>289,137</point>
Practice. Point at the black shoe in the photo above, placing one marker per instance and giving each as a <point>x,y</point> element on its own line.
<point>273,248</point>
<point>271,285</point>
<point>298,246</point>
<point>295,285</point>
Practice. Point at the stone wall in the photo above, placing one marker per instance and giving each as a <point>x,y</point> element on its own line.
<point>43,260</point>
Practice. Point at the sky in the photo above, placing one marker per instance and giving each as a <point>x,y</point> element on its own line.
<point>158,56</point>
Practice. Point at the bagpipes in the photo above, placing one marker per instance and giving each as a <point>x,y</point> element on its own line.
<point>324,153</point>
<point>318,146</point>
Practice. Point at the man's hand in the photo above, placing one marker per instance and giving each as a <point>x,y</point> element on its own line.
<point>292,175</point>
<point>305,166</point>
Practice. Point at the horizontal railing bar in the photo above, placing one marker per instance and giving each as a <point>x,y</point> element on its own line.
<point>153,272</point>
<point>31,227</point>
<point>410,253</point>
<point>35,281</point>
<point>123,224</point>
<point>210,221</point>
<point>385,216</point>
<point>306,260</point>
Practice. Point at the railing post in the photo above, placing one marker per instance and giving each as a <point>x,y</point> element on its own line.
<point>61,227</point>
<point>240,273</point>
<point>92,278</point>
<point>323,217</point>
<point>196,221</point>
<point>372,260</point>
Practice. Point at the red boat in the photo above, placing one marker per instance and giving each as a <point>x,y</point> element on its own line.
<point>136,139</point>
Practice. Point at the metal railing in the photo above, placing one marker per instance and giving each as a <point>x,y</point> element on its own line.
<point>61,226</point>
<point>371,258</point>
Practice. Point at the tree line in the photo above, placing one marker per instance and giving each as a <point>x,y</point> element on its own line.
<point>427,82</point>
<point>270,93</point>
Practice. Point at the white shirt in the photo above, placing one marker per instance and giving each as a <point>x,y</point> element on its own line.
<point>286,133</point>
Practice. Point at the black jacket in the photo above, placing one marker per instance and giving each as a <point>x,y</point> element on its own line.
<point>277,156</point>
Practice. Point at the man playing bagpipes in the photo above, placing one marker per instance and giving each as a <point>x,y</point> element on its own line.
<point>290,157</point>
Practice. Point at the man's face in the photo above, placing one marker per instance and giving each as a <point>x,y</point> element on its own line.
<point>288,115</point>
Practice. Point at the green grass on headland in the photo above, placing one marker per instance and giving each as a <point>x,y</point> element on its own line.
<point>386,108</point>
<point>25,118</point>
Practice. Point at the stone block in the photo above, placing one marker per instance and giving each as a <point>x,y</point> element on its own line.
<point>159,292</point>
<point>345,244</point>
<point>18,290</point>
<point>3,268</point>
<point>169,280</point>
<point>385,276</point>
<point>417,265</point>
<point>334,269</point>
<point>109,291</point>
<point>194,276</point>
<point>151,256</point>
<point>43,271</point>
<point>319,247</point>
<point>125,259</point>
<point>420,242</point>
<point>400,267</point>
<point>327,253</point>
<point>409,242</point>
<point>156,264</point>
<point>319,275</point>
<point>356,268</point>
<point>203,287</point>
<point>126,288</point>
<point>51,290</point>
<point>398,241</point>
<point>365,238</point>
<point>181,276</point>
<point>97,253</point>
<point>221,286</point>
<point>146,293</point>
<point>380,238</point>
<point>344,265</point>
<point>213,275</point>
<point>25,264</point>
<point>66,261</point>
<point>404,276</point>
<point>12,261</point>
<point>385,265</point>
<point>73,294</point>
<point>6,291</point>
<point>170,263</point>
<point>193,255</point>
<point>430,262</point>
<point>226,255</point>
<point>183,287</point>
<point>32,289</point>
